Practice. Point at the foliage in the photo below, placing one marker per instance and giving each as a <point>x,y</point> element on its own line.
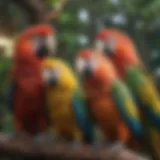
<point>5,67</point>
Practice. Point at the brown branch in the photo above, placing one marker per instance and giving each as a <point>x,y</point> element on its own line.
<point>17,147</point>
<point>37,10</point>
<point>34,8</point>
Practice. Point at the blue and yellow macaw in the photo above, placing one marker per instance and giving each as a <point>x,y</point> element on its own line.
<point>67,109</point>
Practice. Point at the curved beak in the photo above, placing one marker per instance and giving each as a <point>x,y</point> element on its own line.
<point>108,51</point>
<point>52,81</point>
<point>46,47</point>
<point>42,49</point>
<point>87,71</point>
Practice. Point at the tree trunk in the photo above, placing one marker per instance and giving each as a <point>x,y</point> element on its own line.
<point>35,9</point>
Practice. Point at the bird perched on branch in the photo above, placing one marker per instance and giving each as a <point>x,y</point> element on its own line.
<point>66,103</point>
<point>27,95</point>
<point>122,52</point>
<point>110,101</point>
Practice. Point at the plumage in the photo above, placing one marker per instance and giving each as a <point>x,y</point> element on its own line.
<point>65,101</point>
<point>123,54</point>
<point>108,97</point>
<point>27,94</point>
<point>128,109</point>
<point>82,115</point>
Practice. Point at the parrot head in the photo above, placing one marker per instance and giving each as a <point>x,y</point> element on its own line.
<point>57,74</point>
<point>114,43</point>
<point>92,66</point>
<point>118,47</point>
<point>36,42</point>
<point>107,42</point>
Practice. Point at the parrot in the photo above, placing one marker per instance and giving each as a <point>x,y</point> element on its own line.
<point>120,49</point>
<point>111,103</point>
<point>69,117</point>
<point>26,95</point>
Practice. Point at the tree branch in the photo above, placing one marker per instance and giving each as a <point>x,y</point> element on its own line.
<point>16,147</point>
<point>37,10</point>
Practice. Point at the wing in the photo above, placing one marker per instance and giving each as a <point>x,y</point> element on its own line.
<point>127,107</point>
<point>83,116</point>
<point>146,94</point>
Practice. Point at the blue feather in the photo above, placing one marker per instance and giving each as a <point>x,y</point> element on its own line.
<point>83,118</point>
<point>154,119</point>
<point>134,123</point>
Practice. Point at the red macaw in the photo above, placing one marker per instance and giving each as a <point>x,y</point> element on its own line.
<point>110,101</point>
<point>122,52</point>
<point>27,92</point>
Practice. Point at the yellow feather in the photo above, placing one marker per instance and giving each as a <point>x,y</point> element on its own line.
<point>150,96</point>
<point>132,109</point>
<point>59,100</point>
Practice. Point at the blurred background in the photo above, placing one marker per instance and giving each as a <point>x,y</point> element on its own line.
<point>76,22</point>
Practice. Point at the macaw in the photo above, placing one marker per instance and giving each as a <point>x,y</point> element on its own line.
<point>122,52</point>
<point>65,100</point>
<point>26,95</point>
<point>110,101</point>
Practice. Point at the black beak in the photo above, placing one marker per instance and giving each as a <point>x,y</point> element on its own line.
<point>42,51</point>
<point>87,71</point>
<point>108,52</point>
<point>52,82</point>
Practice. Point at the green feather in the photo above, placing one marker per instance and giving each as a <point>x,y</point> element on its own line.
<point>149,103</point>
<point>127,107</point>
<point>145,91</point>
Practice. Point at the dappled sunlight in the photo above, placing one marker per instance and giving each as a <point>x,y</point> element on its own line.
<point>7,44</point>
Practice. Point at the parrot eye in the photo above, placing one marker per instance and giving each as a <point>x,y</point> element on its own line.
<point>80,64</point>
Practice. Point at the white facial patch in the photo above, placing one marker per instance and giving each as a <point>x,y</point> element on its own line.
<point>46,73</point>
<point>51,43</point>
<point>93,62</point>
<point>80,64</point>
<point>56,72</point>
